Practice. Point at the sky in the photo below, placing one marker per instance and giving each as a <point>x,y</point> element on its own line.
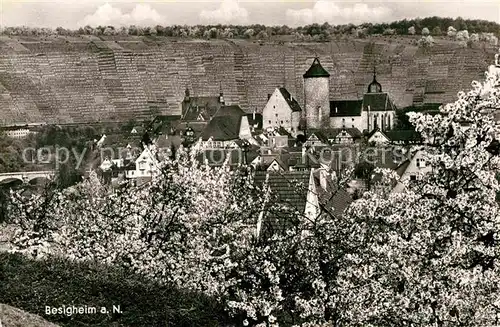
<point>77,13</point>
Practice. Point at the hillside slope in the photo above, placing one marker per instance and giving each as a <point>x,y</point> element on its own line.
<point>86,79</point>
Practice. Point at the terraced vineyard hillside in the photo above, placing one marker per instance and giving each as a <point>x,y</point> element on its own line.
<point>88,79</point>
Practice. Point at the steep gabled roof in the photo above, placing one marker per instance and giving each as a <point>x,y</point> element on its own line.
<point>222,128</point>
<point>320,135</point>
<point>352,131</point>
<point>231,110</point>
<point>277,159</point>
<point>378,102</point>
<point>401,169</point>
<point>316,70</point>
<point>332,198</point>
<point>346,108</point>
<point>207,106</point>
<point>289,187</point>
<point>291,101</point>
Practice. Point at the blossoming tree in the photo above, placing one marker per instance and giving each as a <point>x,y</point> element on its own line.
<point>429,256</point>
<point>426,256</point>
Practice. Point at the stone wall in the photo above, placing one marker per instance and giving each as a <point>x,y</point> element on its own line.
<point>83,79</point>
<point>317,103</point>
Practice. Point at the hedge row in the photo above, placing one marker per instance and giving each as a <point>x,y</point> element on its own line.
<point>32,285</point>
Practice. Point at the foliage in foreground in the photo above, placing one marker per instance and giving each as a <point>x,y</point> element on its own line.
<point>34,284</point>
<point>427,256</point>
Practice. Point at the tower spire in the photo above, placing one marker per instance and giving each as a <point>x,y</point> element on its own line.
<point>374,86</point>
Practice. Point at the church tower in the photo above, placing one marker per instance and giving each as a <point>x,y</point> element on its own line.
<point>316,96</point>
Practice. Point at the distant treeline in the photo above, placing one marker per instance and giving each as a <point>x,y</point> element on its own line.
<point>435,26</point>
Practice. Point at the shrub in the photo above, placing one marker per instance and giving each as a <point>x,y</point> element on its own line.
<point>452,32</point>
<point>426,41</point>
<point>462,35</point>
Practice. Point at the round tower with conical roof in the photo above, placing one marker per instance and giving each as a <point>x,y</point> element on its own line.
<point>316,96</point>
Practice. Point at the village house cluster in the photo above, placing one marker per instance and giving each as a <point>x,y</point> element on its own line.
<point>311,142</point>
<point>314,141</point>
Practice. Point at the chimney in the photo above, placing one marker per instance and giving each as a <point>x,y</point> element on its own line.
<point>291,97</point>
<point>268,96</point>
<point>336,110</point>
<point>253,116</point>
<point>221,98</point>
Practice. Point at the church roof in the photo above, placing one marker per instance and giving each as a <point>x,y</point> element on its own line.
<point>222,128</point>
<point>316,70</point>
<point>345,108</point>
<point>291,101</point>
<point>378,102</point>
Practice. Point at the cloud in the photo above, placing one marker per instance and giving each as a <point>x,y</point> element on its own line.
<point>229,12</point>
<point>106,14</point>
<point>329,11</point>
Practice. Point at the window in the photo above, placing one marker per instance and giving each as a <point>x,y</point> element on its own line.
<point>352,125</point>
<point>269,122</point>
<point>281,122</point>
<point>413,177</point>
<point>420,163</point>
<point>353,119</point>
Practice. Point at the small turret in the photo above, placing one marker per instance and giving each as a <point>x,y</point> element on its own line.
<point>374,86</point>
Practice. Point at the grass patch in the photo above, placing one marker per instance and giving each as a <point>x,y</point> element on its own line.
<point>32,285</point>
